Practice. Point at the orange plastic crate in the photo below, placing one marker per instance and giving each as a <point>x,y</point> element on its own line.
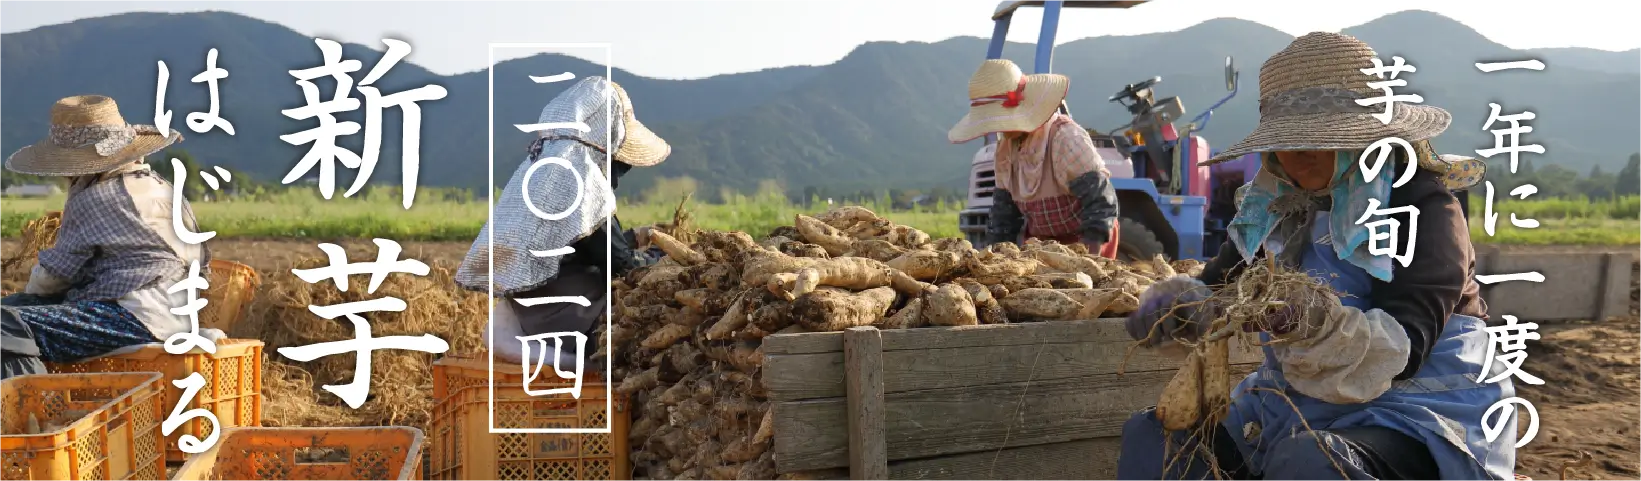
<point>94,426</point>
<point>310,453</point>
<point>463,448</point>
<point>233,383</point>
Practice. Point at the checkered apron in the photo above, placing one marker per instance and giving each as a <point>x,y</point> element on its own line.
<point>1054,216</point>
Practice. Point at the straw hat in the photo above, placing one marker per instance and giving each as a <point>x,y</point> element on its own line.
<point>1307,101</point>
<point>1002,99</point>
<point>640,147</point>
<point>88,136</point>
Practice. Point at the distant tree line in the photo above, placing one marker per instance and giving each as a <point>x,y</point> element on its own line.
<point>1555,181</point>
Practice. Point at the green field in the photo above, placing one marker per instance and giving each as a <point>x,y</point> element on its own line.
<point>305,215</point>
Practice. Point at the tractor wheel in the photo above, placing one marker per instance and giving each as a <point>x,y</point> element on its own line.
<point>1136,242</point>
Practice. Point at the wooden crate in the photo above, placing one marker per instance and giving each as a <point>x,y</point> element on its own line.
<point>1011,401</point>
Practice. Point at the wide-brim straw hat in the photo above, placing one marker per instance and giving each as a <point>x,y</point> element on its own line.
<point>1307,101</point>
<point>640,147</point>
<point>88,136</point>
<point>1002,99</point>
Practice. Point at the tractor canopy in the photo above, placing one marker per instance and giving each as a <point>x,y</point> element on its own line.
<point>1006,7</point>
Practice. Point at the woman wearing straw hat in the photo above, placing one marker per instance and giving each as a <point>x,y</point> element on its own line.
<point>1383,386</point>
<point>521,232</point>
<point>1051,183</point>
<point>103,285</point>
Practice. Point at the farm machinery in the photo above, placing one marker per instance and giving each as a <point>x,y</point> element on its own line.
<point>1169,204</point>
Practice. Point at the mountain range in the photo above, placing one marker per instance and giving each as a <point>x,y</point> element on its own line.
<point>875,119</point>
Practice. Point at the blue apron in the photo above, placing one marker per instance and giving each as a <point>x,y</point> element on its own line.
<point>1442,406</point>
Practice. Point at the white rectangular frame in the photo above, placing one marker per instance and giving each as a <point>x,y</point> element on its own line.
<point>490,334</point>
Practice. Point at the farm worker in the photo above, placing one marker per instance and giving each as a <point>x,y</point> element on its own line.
<point>102,286</point>
<point>1384,374</point>
<point>522,235</point>
<point>1051,183</point>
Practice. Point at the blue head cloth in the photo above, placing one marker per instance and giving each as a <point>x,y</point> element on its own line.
<point>1350,194</point>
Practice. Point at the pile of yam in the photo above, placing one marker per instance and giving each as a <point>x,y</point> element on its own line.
<point>688,330</point>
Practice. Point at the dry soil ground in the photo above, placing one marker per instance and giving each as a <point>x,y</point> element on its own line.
<point>1590,402</point>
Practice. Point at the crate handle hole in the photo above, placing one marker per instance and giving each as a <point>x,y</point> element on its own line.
<point>321,455</point>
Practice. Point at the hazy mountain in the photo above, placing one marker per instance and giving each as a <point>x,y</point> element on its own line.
<point>876,118</point>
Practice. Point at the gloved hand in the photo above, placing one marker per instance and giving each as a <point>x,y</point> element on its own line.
<point>1180,305</point>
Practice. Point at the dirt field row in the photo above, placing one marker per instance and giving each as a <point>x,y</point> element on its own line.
<point>1590,402</point>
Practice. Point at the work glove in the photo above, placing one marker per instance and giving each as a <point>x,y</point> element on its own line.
<point>1180,304</point>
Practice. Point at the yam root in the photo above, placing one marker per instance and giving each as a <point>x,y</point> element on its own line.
<point>733,319</point>
<point>827,310</point>
<point>949,305</point>
<point>876,249</point>
<point>1216,376</point>
<point>665,336</point>
<point>845,216</point>
<point>758,271</point>
<point>1181,404</point>
<point>927,266</point>
<point>644,380</point>
<point>853,273</point>
<point>1040,304</point>
<point>830,238</point>
<point>998,270</point>
<point>677,251</point>
<point>1065,262</point>
<point>907,317</point>
<point>986,307</point>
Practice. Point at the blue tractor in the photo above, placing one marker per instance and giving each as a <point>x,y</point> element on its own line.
<point>1169,205</point>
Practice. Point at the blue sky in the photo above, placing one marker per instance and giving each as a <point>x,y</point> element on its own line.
<point>699,38</point>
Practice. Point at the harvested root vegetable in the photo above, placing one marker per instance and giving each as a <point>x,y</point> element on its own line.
<point>758,271</point>
<point>830,238</point>
<point>763,468</point>
<point>986,307</point>
<point>766,428</point>
<point>1007,250</point>
<point>1190,267</point>
<point>1181,404</point>
<point>688,317</point>
<point>827,310</point>
<point>1040,304</point>
<point>800,249</point>
<point>1065,262</point>
<point>641,381</point>
<point>868,229</point>
<point>845,216</point>
<point>1097,303</point>
<point>949,305</point>
<point>665,336</point>
<point>1075,280</point>
<point>746,358</point>
<point>853,273</point>
<point>876,249</point>
<point>927,266</point>
<point>907,317</point>
<point>658,273</point>
<point>906,236</point>
<point>958,245</point>
<point>677,251</point>
<point>772,317</point>
<point>998,270</point>
<point>1216,377</point>
<point>743,450</point>
<point>733,319</point>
